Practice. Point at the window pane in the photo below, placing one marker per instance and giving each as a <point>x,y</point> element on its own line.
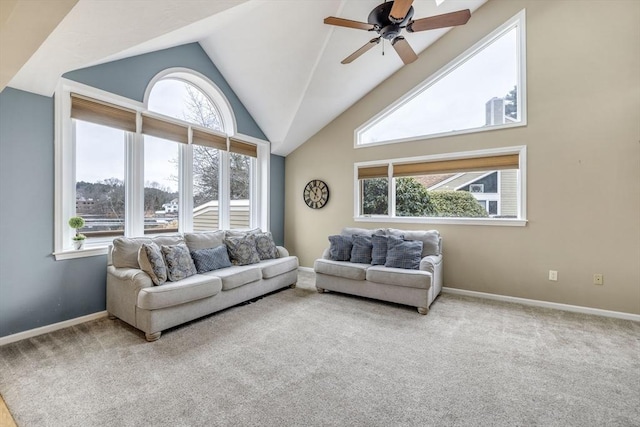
<point>206,179</point>
<point>182,100</point>
<point>460,195</point>
<point>374,195</point>
<point>161,185</point>
<point>240,167</point>
<point>100,179</point>
<point>482,91</point>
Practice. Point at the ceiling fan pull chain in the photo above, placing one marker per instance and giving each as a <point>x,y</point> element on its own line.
<point>382,47</point>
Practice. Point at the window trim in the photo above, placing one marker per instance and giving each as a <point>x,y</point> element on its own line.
<point>521,221</point>
<point>65,158</point>
<point>519,21</point>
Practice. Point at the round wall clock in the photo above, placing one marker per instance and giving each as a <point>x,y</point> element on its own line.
<point>316,194</point>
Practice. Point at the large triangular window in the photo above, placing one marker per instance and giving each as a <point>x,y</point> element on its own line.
<point>482,89</point>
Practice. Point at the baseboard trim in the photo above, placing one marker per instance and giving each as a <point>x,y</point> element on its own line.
<point>545,304</point>
<point>306,269</point>
<point>50,328</point>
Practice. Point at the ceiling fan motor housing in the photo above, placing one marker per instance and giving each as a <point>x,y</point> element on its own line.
<point>379,17</point>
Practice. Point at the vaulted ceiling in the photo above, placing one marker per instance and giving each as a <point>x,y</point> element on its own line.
<point>277,55</point>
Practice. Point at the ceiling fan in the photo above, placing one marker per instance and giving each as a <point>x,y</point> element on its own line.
<point>389,18</point>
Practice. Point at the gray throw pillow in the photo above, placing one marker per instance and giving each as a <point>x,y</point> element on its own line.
<point>152,262</point>
<point>265,246</point>
<point>340,247</point>
<point>210,259</point>
<point>242,250</point>
<point>178,261</point>
<point>403,253</point>
<point>378,249</point>
<point>361,250</point>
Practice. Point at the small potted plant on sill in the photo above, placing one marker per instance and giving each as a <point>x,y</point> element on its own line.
<point>77,222</point>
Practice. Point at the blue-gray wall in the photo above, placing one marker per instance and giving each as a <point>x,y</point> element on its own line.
<point>36,290</point>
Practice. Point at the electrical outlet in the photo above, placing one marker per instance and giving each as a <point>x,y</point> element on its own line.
<point>597,279</point>
<point>553,275</point>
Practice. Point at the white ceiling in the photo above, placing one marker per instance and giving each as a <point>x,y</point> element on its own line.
<point>277,55</point>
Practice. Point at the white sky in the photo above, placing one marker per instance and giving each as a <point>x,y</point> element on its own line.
<point>456,101</point>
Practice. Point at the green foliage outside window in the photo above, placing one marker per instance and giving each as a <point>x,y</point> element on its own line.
<point>413,200</point>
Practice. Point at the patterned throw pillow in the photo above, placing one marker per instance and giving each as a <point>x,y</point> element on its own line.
<point>151,262</point>
<point>179,262</point>
<point>340,247</point>
<point>361,251</point>
<point>265,246</point>
<point>403,253</point>
<point>242,250</point>
<point>378,249</point>
<point>210,259</point>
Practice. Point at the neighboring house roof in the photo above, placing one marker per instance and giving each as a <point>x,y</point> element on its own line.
<point>432,180</point>
<point>458,180</point>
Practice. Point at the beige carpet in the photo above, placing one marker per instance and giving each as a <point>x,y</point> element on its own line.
<point>298,358</point>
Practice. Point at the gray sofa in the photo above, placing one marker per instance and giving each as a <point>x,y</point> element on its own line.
<point>133,298</point>
<point>416,288</point>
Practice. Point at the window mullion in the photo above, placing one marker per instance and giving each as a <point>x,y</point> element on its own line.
<point>392,192</point>
<point>185,184</point>
<point>134,184</point>
<point>224,193</point>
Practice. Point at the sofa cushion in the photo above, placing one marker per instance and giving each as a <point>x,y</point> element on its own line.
<point>211,259</point>
<point>242,250</point>
<point>174,293</point>
<point>340,247</point>
<point>204,239</point>
<point>430,239</point>
<point>361,250</point>
<point>241,232</point>
<point>399,277</point>
<point>236,276</point>
<point>265,246</point>
<point>378,249</point>
<point>403,253</point>
<point>125,249</point>
<point>178,261</point>
<point>347,270</point>
<point>152,262</point>
<point>275,267</point>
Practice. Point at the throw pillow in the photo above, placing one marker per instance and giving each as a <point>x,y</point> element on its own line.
<point>151,262</point>
<point>210,259</point>
<point>242,250</point>
<point>265,246</point>
<point>361,250</point>
<point>179,262</point>
<point>403,253</point>
<point>340,247</point>
<point>378,249</point>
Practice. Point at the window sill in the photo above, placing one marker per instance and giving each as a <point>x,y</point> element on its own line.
<point>503,222</point>
<point>81,253</point>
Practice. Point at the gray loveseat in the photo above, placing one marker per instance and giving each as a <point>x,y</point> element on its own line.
<point>414,287</point>
<point>133,297</point>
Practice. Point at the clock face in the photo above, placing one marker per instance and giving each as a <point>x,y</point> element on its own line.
<point>316,194</point>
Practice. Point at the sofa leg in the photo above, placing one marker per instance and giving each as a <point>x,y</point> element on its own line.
<point>320,290</point>
<point>423,310</point>
<point>111,316</point>
<point>153,337</point>
<point>293,285</point>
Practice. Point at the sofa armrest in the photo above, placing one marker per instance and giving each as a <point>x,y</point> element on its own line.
<point>282,252</point>
<point>134,278</point>
<point>433,265</point>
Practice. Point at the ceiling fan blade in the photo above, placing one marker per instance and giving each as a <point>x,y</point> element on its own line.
<point>399,10</point>
<point>440,21</point>
<point>405,51</point>
<point>341,22</point>
<point>360,51</point>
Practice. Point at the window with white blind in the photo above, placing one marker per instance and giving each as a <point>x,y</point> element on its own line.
<point>475,187</point>
<point>171,164</point>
